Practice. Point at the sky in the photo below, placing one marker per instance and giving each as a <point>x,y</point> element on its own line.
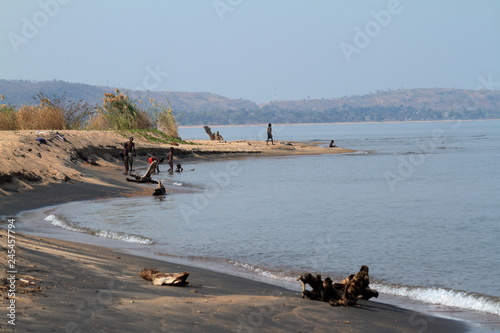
<point>261,50</point>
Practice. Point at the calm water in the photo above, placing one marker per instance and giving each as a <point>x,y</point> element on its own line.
<point>419,204</point>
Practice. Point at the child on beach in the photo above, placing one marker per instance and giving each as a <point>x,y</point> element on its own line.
<point>151,159</point>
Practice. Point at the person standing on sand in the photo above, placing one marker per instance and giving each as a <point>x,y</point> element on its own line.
<point>269,134</point>
<point>170,159</point>
<point>128,155</point>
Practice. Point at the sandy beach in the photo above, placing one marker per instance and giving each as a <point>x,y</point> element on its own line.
<point>70,287</point>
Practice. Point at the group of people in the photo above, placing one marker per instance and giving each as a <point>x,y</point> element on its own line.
<point>129,153</point>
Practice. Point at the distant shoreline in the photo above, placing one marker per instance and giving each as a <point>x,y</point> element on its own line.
<point>344,123</point>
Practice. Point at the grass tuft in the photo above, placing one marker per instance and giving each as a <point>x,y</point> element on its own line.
<point>153,135</point>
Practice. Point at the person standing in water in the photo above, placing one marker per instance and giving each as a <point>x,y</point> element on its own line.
<point>170,159</point>
<point>269,134</point>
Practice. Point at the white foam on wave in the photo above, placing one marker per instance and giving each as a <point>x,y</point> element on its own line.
<point>446,297</point>
<point>129,238</point>
<point>430,295</point>
<point>262,272</point>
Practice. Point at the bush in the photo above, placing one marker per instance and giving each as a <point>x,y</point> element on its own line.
<point>42,117</point>
<point>164,118</point>
<point>49,114</point>
<point>75,114</point>
<point>7,117</point>
<point>119,112</point>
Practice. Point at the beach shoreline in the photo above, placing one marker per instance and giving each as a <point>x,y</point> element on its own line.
<point>76,287</point>
<point>87,158</point>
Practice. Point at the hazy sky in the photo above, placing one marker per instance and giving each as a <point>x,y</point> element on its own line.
<point>260,50</point>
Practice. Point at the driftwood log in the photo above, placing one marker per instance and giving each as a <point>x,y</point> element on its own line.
<point>208,130</point>
<point>159,278</point>
<point>160,189</point>
<point>146,178</point>
<point>345,293</point>
<point>213,136</point>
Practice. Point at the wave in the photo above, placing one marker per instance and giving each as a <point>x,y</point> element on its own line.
<point>262,272</point>
<point>411,153</point>
<point>429,295</point>
<point>446,297</point>
<point>60,221</point>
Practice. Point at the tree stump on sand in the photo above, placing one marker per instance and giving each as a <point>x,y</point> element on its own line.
<point>213,136</point>
<point>159,278</point>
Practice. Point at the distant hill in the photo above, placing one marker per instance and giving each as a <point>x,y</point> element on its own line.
<point>203,108</point>
<point>21,92</point>
<point>438,99</point>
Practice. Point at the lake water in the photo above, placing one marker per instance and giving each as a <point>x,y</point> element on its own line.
<point>418,203</point>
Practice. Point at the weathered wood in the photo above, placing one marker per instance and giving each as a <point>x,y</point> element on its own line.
<point>146,178</point>
<point>145,181</point>
<point>159,278</point>
<point>160,189</point>
<point>147,273</point>
<point>208,130</point>
<point>345,293</point>
<point>213,136</point>
<point>321,290</point>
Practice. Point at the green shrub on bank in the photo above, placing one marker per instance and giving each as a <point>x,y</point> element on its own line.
<point>153,135</point>
<point>119,112</point>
